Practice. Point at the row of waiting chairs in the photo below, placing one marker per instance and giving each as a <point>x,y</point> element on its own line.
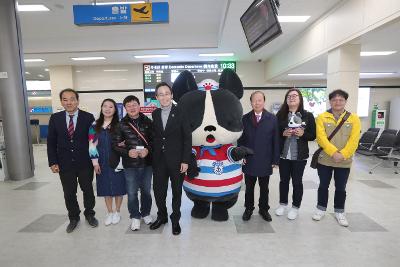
<point>386,147</point>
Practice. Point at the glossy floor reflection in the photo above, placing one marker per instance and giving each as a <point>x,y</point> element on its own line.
<point>33,221</point>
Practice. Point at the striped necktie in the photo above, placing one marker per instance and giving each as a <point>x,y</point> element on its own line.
<point>258,117</point>
<point>71,126</point>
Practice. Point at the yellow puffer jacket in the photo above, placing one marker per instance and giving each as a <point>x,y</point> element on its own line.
<point>345,140</point>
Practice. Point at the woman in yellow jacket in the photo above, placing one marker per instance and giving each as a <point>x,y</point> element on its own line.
<point>336,157</point>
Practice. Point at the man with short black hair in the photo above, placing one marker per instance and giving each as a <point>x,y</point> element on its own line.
<point>135,132</point>
<point>336,157</point>
<point>68,155</point>
<point>172,149</point>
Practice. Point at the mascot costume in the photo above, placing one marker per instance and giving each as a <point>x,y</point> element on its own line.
<point>214,114</point>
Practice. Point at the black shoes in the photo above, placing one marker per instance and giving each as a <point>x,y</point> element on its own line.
<point>265,215</point>
<point>72,225</point>
<point>247,214</point>
<point>155,225</point>
<point>92,221</point>
<point>176,229</point>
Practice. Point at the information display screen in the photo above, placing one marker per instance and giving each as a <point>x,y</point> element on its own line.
<point>260,24</point>
<point>155,73</point>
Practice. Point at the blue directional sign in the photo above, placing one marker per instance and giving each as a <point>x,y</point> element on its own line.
<point>121,14</point>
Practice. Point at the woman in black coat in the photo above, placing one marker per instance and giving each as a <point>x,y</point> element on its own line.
<point>296,129</point>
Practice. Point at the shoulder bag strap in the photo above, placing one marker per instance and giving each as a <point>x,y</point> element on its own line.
<point>139,133</point>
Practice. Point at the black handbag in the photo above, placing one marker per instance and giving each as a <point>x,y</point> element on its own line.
<point>314,159</point>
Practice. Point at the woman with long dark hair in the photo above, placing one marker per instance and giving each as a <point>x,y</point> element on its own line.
<point>110,182</point>
<point>297,127</point>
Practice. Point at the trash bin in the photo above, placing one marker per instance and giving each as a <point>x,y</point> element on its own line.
<point>35,130</point>
<point>3,165</point>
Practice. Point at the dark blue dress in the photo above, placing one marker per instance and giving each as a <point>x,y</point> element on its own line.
<point>109,182</point>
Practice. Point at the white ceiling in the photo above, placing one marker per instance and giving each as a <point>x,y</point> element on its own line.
<point>386,38</point>
<point>205,26</point>
<point>195,27</point>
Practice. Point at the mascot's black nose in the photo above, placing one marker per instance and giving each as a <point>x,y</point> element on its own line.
<point>210,128</point>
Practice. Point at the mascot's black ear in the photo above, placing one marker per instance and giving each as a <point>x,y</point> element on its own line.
<point>184,83</point>
<point>229,80</point>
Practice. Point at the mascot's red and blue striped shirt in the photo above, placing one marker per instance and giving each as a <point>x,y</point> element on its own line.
<point>219,174</point>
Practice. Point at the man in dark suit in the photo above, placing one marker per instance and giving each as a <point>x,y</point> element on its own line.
<point>261,134</point>
<point>171,154</point>
<point>68,155</point>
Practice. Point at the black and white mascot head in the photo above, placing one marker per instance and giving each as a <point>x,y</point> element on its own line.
<point>215,115</point>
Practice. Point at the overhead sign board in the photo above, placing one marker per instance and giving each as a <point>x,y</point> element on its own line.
<point>121,14</point>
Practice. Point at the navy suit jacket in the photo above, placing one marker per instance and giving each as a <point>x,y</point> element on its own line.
<point>263,138</point>
<point>175,140</point>
<point>69,153</point>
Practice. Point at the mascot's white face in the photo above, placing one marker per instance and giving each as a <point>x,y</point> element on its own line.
<point>210,132</point>
<point>295,120</point>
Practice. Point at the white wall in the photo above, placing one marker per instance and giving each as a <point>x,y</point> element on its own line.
<point>382,97</point>
<point>92,78</point>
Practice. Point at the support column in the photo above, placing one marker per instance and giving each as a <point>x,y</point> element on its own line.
<point>13,95</point>
<point>61,77</point>
<point>344,72</point>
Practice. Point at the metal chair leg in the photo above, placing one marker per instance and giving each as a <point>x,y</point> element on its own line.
<point>375,166</point>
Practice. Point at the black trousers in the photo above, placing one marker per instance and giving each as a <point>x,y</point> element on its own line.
<point>291,169</point>
<point>263,182</point>
<point>69,181</point>
<point>162,173</point>
<point>340,175</point>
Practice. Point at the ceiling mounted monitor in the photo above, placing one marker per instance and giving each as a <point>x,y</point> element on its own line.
<point>260,23</point>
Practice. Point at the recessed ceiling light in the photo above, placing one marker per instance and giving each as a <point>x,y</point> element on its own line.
<point>217,55</point>
<point>117,3</point>
<point>377,73</point>
<point>23,8</point>
<point>41,76</point>
<point>33,60</point>
<point>87,58</point>
<point>26,72</point>
<point>151,56</point>
<point>78,71</point>
<point>46,70</point>
<point>114,70</point>
<point>305,74</point>
<point>376,53</point>
<point>293,18</point>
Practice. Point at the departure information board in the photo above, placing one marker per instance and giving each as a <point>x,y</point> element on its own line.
<point>167,72</point>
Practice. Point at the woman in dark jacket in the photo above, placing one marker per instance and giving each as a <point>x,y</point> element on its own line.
<point>261,134</point>
<point>296,129</point>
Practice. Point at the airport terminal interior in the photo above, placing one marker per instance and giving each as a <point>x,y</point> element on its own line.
<point>112,49</point>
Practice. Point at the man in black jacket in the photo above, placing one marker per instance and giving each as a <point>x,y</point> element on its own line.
<point>68,155</point>
<point>132,140</point>
<point>171,155</point>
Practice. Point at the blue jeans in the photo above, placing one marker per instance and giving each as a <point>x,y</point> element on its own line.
<point>138,178</point>
<point>340,175</point>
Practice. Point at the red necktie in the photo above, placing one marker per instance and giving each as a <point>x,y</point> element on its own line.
<point>71,126</point>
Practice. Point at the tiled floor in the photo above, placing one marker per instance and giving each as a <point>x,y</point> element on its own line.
<point>33,222</point>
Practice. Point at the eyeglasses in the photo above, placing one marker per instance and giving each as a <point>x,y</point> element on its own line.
<point>292,96</point>
<point>340,100</point>
<point>162,95</point>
